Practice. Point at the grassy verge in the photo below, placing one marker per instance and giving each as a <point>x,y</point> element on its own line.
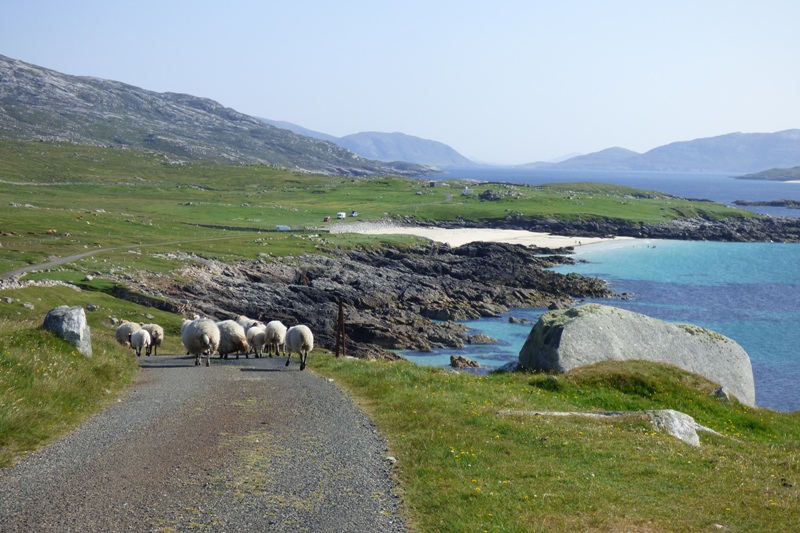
<point>46,387</point>
<point>464,468</point>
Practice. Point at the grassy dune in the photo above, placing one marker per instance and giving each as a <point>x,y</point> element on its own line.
<point>463,468</point>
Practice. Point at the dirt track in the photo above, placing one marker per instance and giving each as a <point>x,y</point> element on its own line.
<point>244,445</point>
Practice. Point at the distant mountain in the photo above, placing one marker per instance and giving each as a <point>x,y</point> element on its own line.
<point>37,103</point>
<point>388,146</point>
<point>610,158</point>
<point>300,130</point>
<point>402,147</point>
<point>734,152</point>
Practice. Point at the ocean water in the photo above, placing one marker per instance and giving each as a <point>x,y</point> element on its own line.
<point>749,292</point>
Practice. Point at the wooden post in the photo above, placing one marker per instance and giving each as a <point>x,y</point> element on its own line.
<point>340,339</point>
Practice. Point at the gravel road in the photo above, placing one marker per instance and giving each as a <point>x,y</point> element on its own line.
<point>243,445</point>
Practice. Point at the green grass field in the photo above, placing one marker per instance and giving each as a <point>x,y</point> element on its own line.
<point>60,199</point>
<point>462,467</point>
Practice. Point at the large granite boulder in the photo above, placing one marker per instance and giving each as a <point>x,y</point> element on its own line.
<point>70,323</point>
<point>563,340</point>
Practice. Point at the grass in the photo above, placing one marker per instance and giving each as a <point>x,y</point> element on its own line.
<point>46,386</point>
<point>62,199</point>
<point>464,468</point>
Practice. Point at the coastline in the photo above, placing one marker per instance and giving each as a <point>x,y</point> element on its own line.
<point>456,237</point>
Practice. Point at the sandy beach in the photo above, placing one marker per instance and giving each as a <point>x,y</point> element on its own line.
<point>460,236</point>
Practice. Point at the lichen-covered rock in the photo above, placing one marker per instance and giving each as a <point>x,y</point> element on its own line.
<point>563,340</point>
<point>70,323</point>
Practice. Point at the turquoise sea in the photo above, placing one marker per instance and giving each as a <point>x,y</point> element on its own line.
<point>749,292</point>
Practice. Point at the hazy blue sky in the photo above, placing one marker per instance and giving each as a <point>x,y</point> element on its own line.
<point>500,81</point>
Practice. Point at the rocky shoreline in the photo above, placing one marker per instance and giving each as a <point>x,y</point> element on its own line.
<point>759,229</point>
<point>411,297</point>
<point>394,298</point>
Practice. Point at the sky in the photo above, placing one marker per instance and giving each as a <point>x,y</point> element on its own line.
<point>500,81</point>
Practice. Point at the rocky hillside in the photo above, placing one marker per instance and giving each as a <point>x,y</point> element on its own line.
<point>37,103</point>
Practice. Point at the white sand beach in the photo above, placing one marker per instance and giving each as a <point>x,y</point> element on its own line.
<point>460,236</point>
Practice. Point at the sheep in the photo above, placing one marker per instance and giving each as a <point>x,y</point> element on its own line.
<point>156,337</point>
<point>140,339</point>
<point>232,339</point>
<point>124,331</point>
<point>299,339</point>
<point>246,322</point>
<point>276,337</point>
<point>257,338</point>
<point>201,338</point>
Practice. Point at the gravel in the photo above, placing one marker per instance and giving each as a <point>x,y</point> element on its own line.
<point>243,445</point>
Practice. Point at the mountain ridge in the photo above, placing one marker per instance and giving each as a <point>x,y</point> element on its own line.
<point>732,152</point>
<point>39,103</point>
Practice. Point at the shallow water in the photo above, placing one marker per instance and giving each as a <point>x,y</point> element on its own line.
<point>746,291</point>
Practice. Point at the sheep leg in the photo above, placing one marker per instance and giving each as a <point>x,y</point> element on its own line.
<point>303,356</point>
<point>288,358</point>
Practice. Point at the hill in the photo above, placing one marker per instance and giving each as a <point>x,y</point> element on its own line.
<point>775,174</point>
<point>37,103</point>
<point>402,147</point>
<point>733,152</point>
<point>388,146</point>
<point>610,158</point>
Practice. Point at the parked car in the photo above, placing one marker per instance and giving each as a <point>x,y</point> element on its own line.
<point>354,213</point>
<point>327,219</point>
<point>341,215</point>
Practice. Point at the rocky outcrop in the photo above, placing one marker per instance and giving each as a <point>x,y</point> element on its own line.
<point>459,361</point>
<point>563,340</point>
<point>70,323</point>
<point>394,298</point>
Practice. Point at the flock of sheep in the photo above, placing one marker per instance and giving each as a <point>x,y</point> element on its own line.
<point>203,337</point>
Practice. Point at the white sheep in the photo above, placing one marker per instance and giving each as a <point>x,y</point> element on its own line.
<point>246,322</point>
<point>299,339</point>
<point>232,339</point>
<point>156,337</point>
<point>257,338</point>
<point>201,338</point>
<point>140,339</point>
<point>276,337</point>
<point>124,331</point>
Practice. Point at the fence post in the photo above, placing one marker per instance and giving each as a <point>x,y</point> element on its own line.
<point>340,339</point>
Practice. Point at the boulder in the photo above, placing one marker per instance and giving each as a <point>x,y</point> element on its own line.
<point>459,361</point>
<point>70,323</point>
<point>587,334</point>
<point>481,338</point>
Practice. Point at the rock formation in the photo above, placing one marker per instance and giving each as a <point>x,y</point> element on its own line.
<point>563,340</point>
<point>70,323</point>
<point>393,298</point>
